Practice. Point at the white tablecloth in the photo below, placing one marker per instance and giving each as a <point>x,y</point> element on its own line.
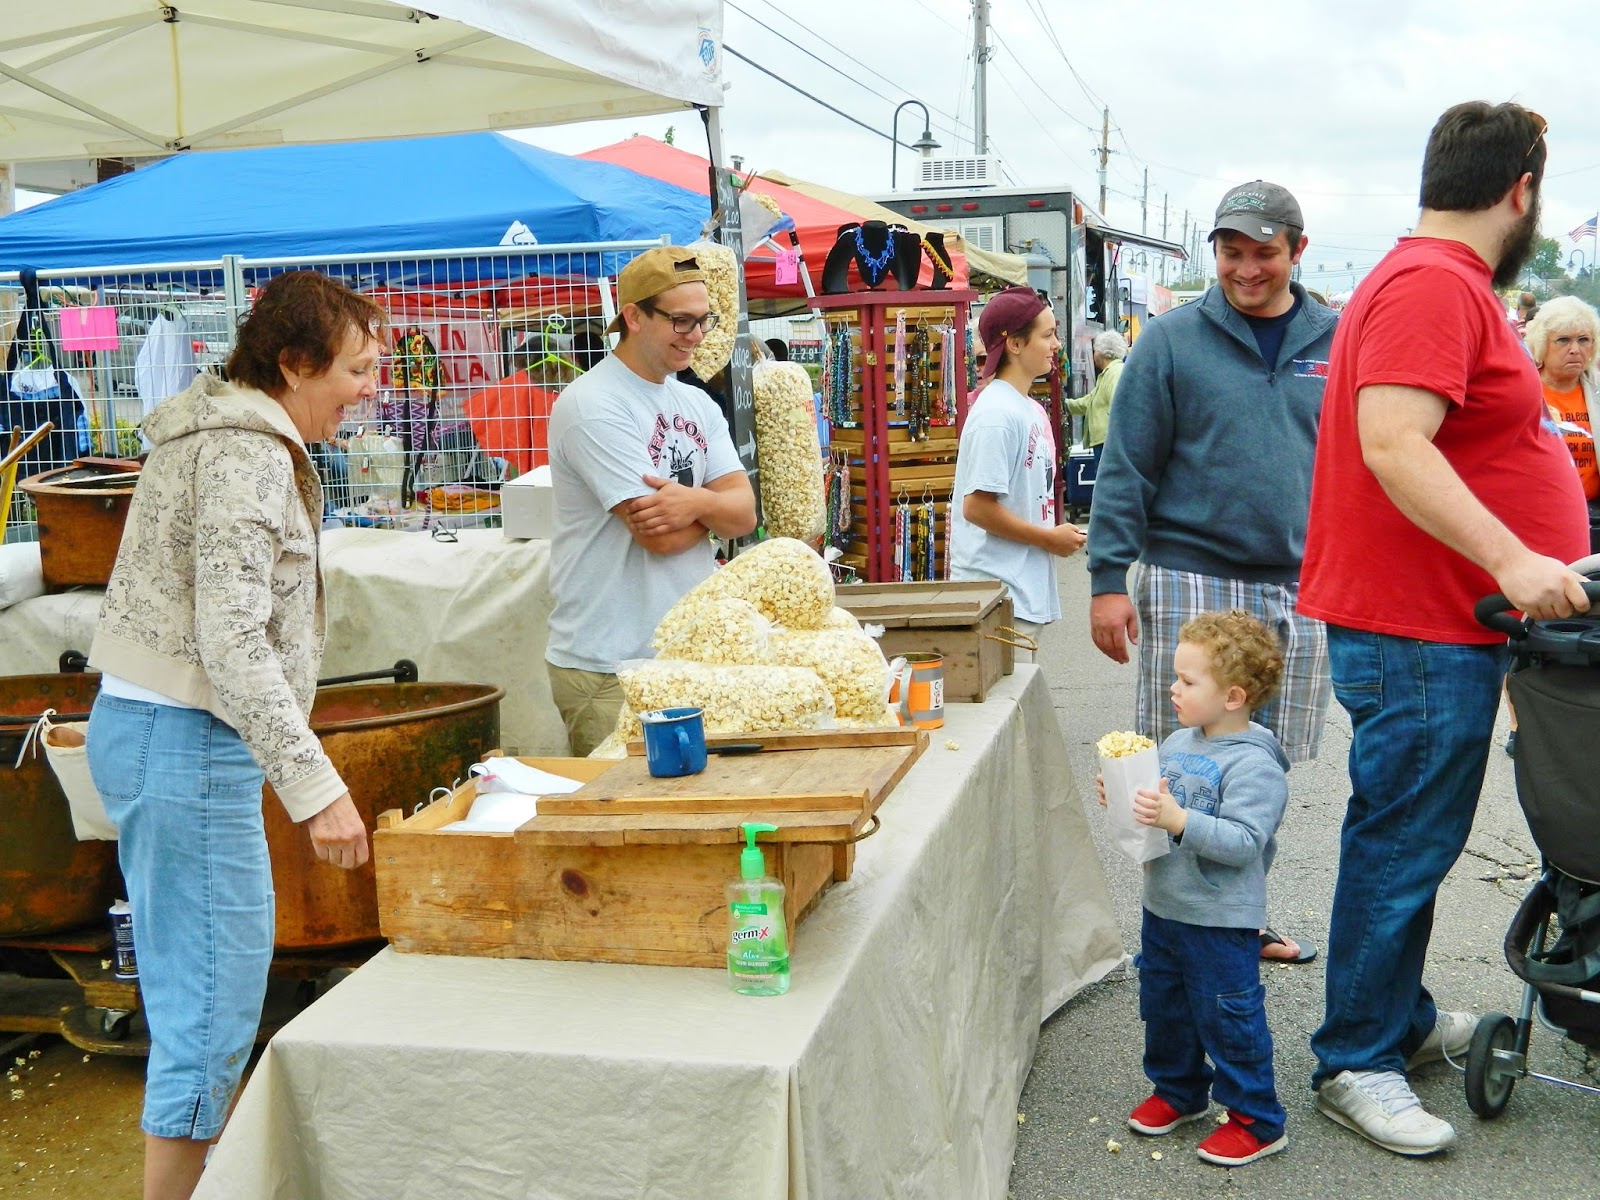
<point>476,610</point>
<point>892,1068</point>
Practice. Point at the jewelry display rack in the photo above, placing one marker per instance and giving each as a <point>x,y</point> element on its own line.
<point>896,456</point>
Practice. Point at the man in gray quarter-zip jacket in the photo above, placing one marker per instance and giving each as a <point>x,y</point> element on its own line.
<point>1206,476</point>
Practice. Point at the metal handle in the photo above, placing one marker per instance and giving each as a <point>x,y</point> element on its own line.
<point>403,671</point>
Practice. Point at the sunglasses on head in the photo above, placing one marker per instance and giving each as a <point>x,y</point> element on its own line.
<point>1544,128</point>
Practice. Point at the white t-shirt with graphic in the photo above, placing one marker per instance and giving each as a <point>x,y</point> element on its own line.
<point>1007,448</point>
<point>608,430</point>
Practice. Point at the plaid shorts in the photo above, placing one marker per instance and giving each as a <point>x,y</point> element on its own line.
<point>1165,599</point>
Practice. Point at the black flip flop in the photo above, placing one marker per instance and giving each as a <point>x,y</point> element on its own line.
<point>1308,952</point>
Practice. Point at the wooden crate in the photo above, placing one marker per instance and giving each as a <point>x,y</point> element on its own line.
<point>629,868</point>
<point>962,621</point>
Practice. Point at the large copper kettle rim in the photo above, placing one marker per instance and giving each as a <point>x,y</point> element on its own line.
<point>487,694</point>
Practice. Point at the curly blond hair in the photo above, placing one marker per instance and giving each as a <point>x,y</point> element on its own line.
<point>1243,652</point>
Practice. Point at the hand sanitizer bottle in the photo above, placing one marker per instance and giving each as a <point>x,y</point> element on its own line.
<point>758,942</point>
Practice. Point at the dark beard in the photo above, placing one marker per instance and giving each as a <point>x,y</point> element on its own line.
<point>1518,247</point>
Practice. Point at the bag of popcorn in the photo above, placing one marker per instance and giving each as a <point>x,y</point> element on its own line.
<point>736,699</point>
<point>793,499</point>
<point>721,270</point>
<point>849,662</point>
<point>785,579</point>
<point>1129,762</point>
<point>716,629</point>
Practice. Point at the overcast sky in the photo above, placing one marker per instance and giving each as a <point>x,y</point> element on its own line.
<point>1333,99</point>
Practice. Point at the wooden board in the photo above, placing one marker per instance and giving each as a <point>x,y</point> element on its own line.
<point>851,778</point>
<point>896,605</point>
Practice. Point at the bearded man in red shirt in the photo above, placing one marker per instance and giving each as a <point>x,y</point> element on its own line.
<point>1438,480</point>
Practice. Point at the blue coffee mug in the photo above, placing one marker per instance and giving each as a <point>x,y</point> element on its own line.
<point>674,741</point>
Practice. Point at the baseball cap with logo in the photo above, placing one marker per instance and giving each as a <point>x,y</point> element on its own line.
<point>653,272</point>
<point>1258,209</point>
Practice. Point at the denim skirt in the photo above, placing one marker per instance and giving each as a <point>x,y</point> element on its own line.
<point>185,794</point>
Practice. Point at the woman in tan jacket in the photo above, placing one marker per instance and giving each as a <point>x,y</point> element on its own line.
<point>209,643</point>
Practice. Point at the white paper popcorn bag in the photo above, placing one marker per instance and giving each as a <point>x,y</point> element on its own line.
<point>1129,762</point>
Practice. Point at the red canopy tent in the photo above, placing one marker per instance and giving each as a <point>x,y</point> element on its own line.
<point>816,221</point>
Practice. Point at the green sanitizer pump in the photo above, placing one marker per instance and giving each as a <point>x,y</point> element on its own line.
<point>758,939</point>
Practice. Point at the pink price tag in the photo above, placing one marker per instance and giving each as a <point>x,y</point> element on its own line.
<point>787,269</point>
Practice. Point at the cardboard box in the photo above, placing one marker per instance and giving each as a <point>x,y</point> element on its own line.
<point>527,505</point>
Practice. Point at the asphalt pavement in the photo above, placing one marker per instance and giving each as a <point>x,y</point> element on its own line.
<point>1086,1076</point>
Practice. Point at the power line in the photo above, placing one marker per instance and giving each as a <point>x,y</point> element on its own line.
<point>955,133</point>
<point>1050,32</point>
<point>837,49</point>
<point>1042,90</point>
<point>938,16</point>
<point>854,120</point>
<point>816,99</point>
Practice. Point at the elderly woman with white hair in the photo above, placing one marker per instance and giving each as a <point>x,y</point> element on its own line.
<point>1109,349</point>
<point>1563,337</point>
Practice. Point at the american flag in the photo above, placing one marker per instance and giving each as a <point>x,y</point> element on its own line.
<point>1587,229</point>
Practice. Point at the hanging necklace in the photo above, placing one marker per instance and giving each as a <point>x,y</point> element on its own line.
<point>874,265</point>
<point>919,404</point>
<point>839,376</point>
<point>900,362</point>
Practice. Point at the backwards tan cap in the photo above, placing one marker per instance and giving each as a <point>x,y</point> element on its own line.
<point>653,272</point>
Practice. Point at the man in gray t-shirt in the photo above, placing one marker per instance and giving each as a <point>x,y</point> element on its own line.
<point>644,472</point>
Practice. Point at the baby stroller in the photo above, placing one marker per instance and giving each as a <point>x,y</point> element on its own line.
<point>1553,944</point>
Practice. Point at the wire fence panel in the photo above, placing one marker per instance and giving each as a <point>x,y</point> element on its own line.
<point>479,346</point>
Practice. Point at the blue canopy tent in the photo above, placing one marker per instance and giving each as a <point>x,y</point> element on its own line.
<point>341,202</point>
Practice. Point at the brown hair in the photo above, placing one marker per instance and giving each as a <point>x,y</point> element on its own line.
<point>301,319</point>
<point>1243,652</point>
<point>1477,152</point>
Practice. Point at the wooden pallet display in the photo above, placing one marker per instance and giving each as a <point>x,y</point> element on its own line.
<point>884,461</point>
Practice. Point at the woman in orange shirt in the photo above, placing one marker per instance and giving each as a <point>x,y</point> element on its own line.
<point>1563,339</point>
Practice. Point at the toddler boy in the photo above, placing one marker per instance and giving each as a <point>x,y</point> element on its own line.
<point>1222,795</point>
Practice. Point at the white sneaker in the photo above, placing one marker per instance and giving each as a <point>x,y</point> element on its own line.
<point>1381,1107</point>
<point>1451,1036</point>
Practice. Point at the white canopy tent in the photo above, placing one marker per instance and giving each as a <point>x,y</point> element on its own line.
<point>91,79</point>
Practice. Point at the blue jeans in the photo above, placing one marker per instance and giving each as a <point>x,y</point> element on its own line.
<point>185,794</point>
<point>1200,994</point>
<point>1422,715</point>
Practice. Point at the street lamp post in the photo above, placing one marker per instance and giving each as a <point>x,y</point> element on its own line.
<point>925,143</point>
<point>1576,254</point>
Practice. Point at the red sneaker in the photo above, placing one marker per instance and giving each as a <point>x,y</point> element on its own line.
<point>1234,1145</point>
<point>1155,1116</point>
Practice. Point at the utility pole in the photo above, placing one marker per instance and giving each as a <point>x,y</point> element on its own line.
<point>1184,242</point>
<point>1164,259</point>
<point>1105,153</point>
<point>1144,204</point>
<point>980,82</point>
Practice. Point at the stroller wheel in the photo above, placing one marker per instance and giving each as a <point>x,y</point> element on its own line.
<point>1489,1080</point>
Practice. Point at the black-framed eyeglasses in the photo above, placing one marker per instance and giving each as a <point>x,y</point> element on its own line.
<point>1544,128</point>
<point>682,323</point>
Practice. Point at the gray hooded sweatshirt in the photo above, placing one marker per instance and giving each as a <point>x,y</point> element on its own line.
<point>1235,788</point>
